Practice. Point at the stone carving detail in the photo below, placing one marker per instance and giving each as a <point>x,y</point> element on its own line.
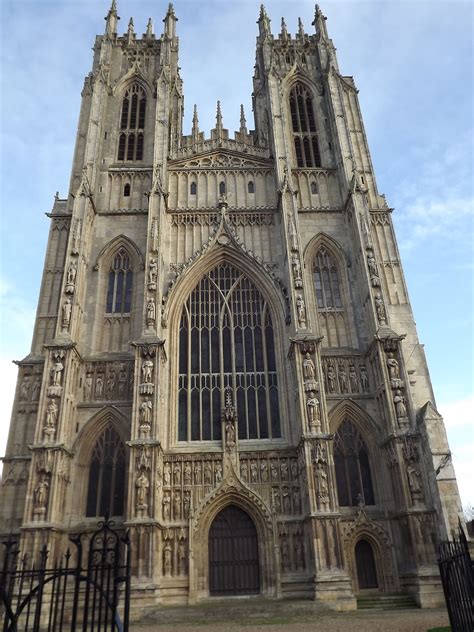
<point>76,237</point>
<point>313,409</point>
<point>412,459</point>
<point>66,312</point>
<point>292,234</point>
<point>154,237</point>
<point>373,271</point>
<point>292,553</point>
<point>110,381</point>
<point>320,469</point>
<point>301,310</point>
<point>152,273</point>
<point>229,416</point>
<point>146,415</point>
<point>142,486</point>
<point>380,309</point>
<point>40,497</point>
<point>175,552</point>
<point>71,278</point>
<point>25,388</point>
<point>394,371</point>
<point>400,408</point>
<point>345,375</point>
<point>150,312</point>
<point>296,267</point>
<point>56,376</point>
<point>49,428</point>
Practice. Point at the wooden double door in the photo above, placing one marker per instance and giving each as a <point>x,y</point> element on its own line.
<point>234,567</point>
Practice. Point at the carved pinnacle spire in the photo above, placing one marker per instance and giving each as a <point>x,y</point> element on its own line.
<point>219,125</point>
<point>300,29</point>
<point>263,22</point>
<point>243,122</point>
<point>149,28</point>
<point>111,20</point>
<point>319,22</point>
<point>284,30</point>
<point>170,22</point>
<point>195,130</point>
<point>130,31</point>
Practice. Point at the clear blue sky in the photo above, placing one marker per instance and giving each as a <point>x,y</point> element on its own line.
<point>412,62</point>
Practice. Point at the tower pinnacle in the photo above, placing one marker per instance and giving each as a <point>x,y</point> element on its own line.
<point>284,30</point>
<point>243,122</point>
<point>263,22</point>
<point>170,20</point>
<point>149,29</point>
<point>219,126</point>
<point>111,20</point>
<point>130,31</point>
<point>195,130</point>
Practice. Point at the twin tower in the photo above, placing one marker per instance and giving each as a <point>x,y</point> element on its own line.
<point>224,357</point>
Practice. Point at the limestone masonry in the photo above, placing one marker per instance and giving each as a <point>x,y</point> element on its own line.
<point>224,357</point>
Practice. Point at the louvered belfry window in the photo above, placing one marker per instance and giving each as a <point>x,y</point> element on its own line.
<point>106,488</point>
<point>226,342</point>
<point>132,125</point>
<point>303,121</point>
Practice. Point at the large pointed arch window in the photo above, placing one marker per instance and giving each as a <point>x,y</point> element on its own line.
<point>119,287</point>
<point>351,460</point>
<point>326,279</point>
<point>132,124</point>
<point>106,487</point>
<point>303,121</point>
<point>226,343</point>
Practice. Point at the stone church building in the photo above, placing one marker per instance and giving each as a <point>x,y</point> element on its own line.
<point>224,358</point>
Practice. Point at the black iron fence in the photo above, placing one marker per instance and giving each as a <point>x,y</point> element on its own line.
<point>457,574</point>
<point>87,589</point>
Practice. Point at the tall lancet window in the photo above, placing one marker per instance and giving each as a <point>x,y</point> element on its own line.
<point>351,460</point>
<point>132,124</point>
<point>304,127</point>
<point>106,488</point>
<point>119,289</point>
<point>226,345</point>
<point>326,278</point>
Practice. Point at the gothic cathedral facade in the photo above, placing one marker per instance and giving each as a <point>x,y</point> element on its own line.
<point>225,358</point>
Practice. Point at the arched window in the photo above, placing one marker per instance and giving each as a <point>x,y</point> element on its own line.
<point>119,290</point>
<point>226,345</point>
<point>351,460</point>
<point>132,124</point>
<point>314,188</point>
<point>326,278</point>
<point>304,127</point>
<point>106,488</point>
<point>251,187</point>
<point>221,188</point>
<point>193,188</point>
<point>126,190</point>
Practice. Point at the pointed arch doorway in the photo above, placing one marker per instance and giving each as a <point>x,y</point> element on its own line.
<point>365,565</point>
<point>234,567</point>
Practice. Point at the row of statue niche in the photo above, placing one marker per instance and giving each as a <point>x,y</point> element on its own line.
<point>177,504</point>
<point>111,386</point>
<point>30,388</point>
<point>342,379</point>
<point>174,565</point>
<point>292,557</point>
<point>250,471</point>
<point>286,500</point>
<point>207,473</point>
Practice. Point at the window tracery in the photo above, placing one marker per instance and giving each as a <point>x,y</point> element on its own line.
<point>304,127</point>
<point>326,278</point>
<point>119,288</point>
<point>226,341</point>
<point>106,486</point>
<point>132,124</point>
<point>351,461</point>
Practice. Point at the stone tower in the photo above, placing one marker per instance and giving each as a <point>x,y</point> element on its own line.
<point>220,352</point>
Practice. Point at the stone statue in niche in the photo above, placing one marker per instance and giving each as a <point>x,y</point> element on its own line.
<point>166,503</point>
<point>186,504</point>
<point>167,474</point>
<point>35,392</point>
<point>71,278</point>
<point>353,379</point>
<point>274,469</point>
<point>380,309</point>
<point>152,274</point>
<point>88,381</point>
<point>414,482</point>
<point>145,418</point>
<point>147,371</point>
<point>341,373</point>
<point>207,473</point>
<point>150,312</point>
<point>110,386</point>
<point>374,275</point>
<point>229,435</point>
<point>244,470</point>
<point>296,500</point>
<point>253,472</point>
<point>25,388</point>
<point>218,473</point>
<point>393,371</point>
<point>285,493</point>
<point>400,405</point>
<point>276,499</point>
<point>321,480</point>
<point>331,376</point>
<point>167,564</point>
<point>66,314</point>
<point>76,237</point>
<point>309,370</point>
<point>313,408</point>
<point>57,371</point>
<point>292,234</point>
<point>187,473</point>
<point>49,429</point>
<point>177,506</point>
<point>197,473</point>
<point>301,310</point>
<point>41,493</point>
<point>284,470</point>
<point>177,473</point>
<point>142,486</point>
<point>296,266</point>
<point>264,471</point>
<point>364,378</point>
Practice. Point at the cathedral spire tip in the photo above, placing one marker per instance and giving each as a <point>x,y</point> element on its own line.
<point>149,28</point>
<point>111,19</point>
<point>243,121</point>
<point>263,21</point>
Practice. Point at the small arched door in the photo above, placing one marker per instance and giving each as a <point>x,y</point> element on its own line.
<point>233,554</point>
<point>365,563</point>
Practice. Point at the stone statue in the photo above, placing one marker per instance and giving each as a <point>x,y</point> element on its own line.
<point>99,386</point>
<point>197,473</point>
<point>71,273</point>
<point>321,479</point>
<point>24,388</point>
<point>295,264</point>
<point>167,565</point>
<point>66,314</point>
<point>331,375</point>
<point>177,473</point>
<point>147,371</point>
<point>51,414</point>
<point>296,500</point>
<point>166,502</point>
<point>218,473</point>
<point>142,486</point>
<point>253,471</point>
<point>229,435</point>
<point>177,506</point>
<point>301,310</point>
<point>309,370</point>
<point>380,309</point>
<point>167,474</point>
<point>400,407</point>
<point>207,473</point>
<point>150,312</point>
<point>186,504</point>
<point>187,473</point>
<point>41,495</point>
<point>110,386</point>
<point>284,470</point>
<point>88,387</point>
<point>56,372</point>
<point>341,372</point>
<point>152,274</point>
<point>353,379</point>
<point>372,264</point>
<point>264,471</point>
<point>244,472</point>
<point>313,408</point>
<point>364,378</point>
<point>414,481</point>
<point>276,500</point>
<point>145,411</point>
<point>35,392</point>
<point>292,234</point>
<point>285,492</point>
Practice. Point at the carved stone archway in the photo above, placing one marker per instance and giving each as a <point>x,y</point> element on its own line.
<point>231,492</point>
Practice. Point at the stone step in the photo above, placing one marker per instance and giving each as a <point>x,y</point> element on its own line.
<point>385,602</point>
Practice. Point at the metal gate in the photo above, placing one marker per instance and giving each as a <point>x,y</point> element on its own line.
<point>233,554</point>
<point>457,575</point>
<point>69,595</point>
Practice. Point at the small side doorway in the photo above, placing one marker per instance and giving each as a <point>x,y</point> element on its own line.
<point>365,563</point>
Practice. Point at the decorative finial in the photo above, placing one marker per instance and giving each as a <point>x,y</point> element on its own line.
<point>149,28</point>
<point>170,22</point>
<point>111,20</point>
<point>219,117</point>
<point>300,29</point>
<point>195,130</point>
<point>243,122</point>
<point>130,31</point>
<point>263,22</point>
<point>284,31</point>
